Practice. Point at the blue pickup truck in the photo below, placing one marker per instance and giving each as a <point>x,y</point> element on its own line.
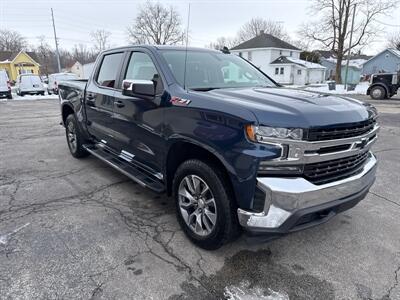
<point>236,151</point>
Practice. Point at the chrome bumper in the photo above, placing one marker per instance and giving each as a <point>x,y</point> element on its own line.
<point>286,197</point>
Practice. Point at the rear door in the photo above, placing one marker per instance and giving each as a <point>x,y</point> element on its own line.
<point>137,120</point>
<point>99,98</point>
<point>3,81</point>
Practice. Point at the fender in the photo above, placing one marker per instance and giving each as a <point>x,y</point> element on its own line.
<point>378,84</point>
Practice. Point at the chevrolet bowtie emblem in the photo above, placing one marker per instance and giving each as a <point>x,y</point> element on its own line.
<point>361,144</point>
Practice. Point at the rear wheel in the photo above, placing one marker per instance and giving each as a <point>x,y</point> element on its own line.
<point>205,208</point>
<point>74,137</point>
<point>378,93</point>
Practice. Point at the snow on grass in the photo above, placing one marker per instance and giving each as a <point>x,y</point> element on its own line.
<point>245,292</point>
<point>361,88</point>
<point>34,97</point>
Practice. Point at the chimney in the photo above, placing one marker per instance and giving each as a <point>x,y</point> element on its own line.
<point>261,32</point>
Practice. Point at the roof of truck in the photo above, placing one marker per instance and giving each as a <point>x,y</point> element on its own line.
<point>164,47</point>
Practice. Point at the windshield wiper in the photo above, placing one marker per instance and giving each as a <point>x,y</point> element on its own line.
<point>204,89</point>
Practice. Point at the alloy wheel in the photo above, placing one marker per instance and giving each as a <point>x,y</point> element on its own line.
<point>197,205</point>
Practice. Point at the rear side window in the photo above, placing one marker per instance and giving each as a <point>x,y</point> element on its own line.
<point>109,69</point>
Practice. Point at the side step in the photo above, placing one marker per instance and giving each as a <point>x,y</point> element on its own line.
<point>125,168</point>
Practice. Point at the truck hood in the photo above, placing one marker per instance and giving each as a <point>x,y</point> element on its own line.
<point>285,107</point>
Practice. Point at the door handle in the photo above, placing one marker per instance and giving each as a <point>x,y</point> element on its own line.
<point>119,103</point>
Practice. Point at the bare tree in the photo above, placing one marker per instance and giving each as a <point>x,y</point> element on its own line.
<point>82,54</point>
<point>394,41</point>
<point>332,29</point>
<point>11,40</point>
<point>100,38</point>
<point>46,56</point>
<point>222,42</point>
<point>256,25</point>
<point>156,24</point>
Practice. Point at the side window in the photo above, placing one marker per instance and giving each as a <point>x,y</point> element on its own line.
<point>276,71</point>
<point>109,69</point>
<point>282,71</point>
<point>141,67</point>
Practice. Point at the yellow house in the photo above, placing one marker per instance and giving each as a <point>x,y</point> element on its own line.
<point>16,63</point>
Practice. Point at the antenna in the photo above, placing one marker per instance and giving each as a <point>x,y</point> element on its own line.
<point>186,46</point>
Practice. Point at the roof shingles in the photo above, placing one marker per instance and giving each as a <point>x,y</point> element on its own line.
<point>265,40</point>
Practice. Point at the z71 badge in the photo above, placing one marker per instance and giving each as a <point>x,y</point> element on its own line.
<point>179,101</point>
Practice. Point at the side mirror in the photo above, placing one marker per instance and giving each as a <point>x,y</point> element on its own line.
<point>138,88</point>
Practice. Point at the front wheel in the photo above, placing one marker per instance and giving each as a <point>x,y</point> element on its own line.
<point>378,93</point>
<point>74,137</point>
<point>205,208</point>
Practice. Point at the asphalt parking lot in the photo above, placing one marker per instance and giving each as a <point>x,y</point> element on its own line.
<point>77,229</point>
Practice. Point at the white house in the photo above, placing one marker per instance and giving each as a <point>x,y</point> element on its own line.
<point>280,60</point>
<point>75,68</point>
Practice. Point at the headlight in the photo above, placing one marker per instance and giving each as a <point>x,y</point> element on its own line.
<point>262,133</point>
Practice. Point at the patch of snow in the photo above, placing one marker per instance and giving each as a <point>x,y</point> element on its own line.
<point>34,97</point>
<point>245,292</point>
<point>307,64</point>
<point>361,88</point>
<point>357,63</point>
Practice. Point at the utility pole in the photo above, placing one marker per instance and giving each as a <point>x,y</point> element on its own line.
<point>349,53</point>
<point>55,39</point>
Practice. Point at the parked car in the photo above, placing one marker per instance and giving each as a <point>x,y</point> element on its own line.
<point>5,85</point>
<point>54,79</point>
<point>29,84</point>
<point>383,85</point>
<point>234,149</point>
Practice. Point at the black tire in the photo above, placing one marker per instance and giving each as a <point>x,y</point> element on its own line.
<point>9,96</point>
<point>48,92</point>
<point>377,93</point>
<point>226,227</point>
<point>21,94</point>
<point>42,93</point>
<point>71,127</point>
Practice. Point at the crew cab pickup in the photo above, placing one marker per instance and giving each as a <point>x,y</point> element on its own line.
<point>234,149</point>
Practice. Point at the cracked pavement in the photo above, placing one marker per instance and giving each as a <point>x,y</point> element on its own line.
<point>77,229</point>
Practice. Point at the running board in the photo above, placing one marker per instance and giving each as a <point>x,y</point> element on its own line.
<point>125,167</point>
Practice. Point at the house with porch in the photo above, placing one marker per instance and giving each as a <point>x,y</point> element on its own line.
<point>16,63</point>
<point>279,60</point>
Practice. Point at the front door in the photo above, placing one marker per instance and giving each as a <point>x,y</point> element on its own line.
<point>137,120</point>
<point>99,98</point>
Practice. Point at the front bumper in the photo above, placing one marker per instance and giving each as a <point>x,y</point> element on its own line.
<point>293,204</point>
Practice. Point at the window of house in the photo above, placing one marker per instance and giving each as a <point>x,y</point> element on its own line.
<point>298,72</point>
<point>240,54</point>
<point>280,52</point>
<point>249,56</point>
<point>109,69</point>
<point>291,53</point>
<point>282,71</point>
<point>276,71</point>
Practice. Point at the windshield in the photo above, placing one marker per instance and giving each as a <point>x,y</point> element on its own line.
<point>211,70</point>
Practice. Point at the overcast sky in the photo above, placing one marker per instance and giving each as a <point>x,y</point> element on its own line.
<point>75,19</point>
